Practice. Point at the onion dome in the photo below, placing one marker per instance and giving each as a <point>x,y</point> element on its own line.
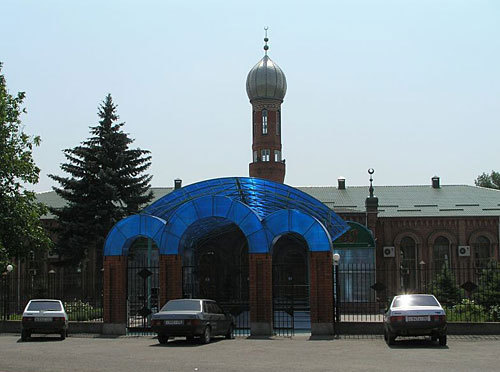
<point>266,80</point>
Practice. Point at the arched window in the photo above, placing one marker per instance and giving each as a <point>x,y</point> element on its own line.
<point>441,253</point>
<point>408,264</point>
<point>482,251</point>
<point>264,121</point>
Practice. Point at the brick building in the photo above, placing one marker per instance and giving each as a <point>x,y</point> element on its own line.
<point>217,254</point>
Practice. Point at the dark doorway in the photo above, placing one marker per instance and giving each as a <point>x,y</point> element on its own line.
<point>215,266</point>
<point>291,310</point>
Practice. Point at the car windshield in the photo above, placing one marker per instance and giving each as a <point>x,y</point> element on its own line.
<point>182,305</point>
<point>403,301</point>
<point>44,305</point>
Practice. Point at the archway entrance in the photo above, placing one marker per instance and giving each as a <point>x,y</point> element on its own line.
<point>215,266</point>
<point>142,284</point>
<point>291,310</point>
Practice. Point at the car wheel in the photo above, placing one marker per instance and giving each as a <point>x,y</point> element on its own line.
<point>25,335</point>
<point>442,340</point>
<point>385,335</point>
<point>63,334</point>
<point>229,334</point>
<point>207,335</point>
<point>390,338</point>
<point>162,339</point>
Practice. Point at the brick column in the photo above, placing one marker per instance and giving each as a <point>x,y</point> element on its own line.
<point>170,277</point>
<point>261,294</point>
<point>115,294</point>
<point>321,293</point>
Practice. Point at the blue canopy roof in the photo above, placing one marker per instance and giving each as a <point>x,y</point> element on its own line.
<point>252,204</point>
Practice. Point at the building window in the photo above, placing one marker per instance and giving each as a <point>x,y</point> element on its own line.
<point>408,264</point>
<point>277,156</point>
<point>482,251</point>
<point>278,122</point>
<point>264,121</point>
<point>265,154</point>
<point>441,253</point>
<point>255,156</point>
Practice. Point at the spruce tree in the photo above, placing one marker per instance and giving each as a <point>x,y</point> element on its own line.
<point>107,182</point>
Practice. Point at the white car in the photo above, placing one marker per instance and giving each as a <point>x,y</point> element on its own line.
<point>415,315</point>
<point>44,316</point>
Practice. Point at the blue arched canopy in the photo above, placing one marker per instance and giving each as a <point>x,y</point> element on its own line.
<point>258,207</point>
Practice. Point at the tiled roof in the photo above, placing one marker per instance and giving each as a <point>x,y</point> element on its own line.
<point>394,201</point>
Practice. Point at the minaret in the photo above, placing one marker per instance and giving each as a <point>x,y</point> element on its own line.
<point>266,88</point>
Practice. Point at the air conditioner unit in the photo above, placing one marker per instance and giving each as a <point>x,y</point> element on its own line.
<point>464,250</point>
<point>389,251</point>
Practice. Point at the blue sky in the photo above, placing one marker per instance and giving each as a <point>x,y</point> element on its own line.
<point>409,88</point>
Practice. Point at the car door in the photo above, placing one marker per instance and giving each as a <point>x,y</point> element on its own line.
<point>225,319</point>
<point>211,316</point>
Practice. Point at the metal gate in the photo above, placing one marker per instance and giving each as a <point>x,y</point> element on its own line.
<point>228,287</point>
<point>291,309</point>
<point>142,295</point>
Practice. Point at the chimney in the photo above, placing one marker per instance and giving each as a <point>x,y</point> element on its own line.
<point>435,182</point>
<point>177,183</point>
<point>341,183</point>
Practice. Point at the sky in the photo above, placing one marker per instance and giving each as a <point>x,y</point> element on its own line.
<point>410,88</point>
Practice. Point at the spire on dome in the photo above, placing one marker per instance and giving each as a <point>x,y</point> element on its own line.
<point>266,39</point>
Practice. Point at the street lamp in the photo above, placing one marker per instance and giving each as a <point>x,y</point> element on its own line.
<point>336,260</point>
<point>9,269</point>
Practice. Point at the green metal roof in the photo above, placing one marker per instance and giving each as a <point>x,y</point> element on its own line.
<point>394,201</point>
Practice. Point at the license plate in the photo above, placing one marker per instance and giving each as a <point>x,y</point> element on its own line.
<point>42,319</point>
<point>426,318</point>
<point>174,322</point>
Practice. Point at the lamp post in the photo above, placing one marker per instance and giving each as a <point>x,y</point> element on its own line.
<point>336,260</point>
<point>52,291</point>
<point>422,281</point>
<point>8,270</point>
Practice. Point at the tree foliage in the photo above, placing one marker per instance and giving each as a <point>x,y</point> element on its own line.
<point>491,181</point>
<point>106,183</point>
<point>488,291</point>
<point>20,226</point>
<point>444,287</point>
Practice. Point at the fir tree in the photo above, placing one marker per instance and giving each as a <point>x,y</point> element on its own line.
<point>444,287</point>
<point>107,183</point>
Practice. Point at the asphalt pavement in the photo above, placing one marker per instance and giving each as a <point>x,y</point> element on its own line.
<point>354,353</point>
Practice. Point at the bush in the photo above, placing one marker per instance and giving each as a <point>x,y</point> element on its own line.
<point>494,313</point>
<point>82,311</point>
<point>467,311</point>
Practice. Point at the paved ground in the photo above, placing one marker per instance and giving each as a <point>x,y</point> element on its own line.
<point>356,353</point>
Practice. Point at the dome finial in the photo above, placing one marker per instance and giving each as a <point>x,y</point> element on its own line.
<point>266,39</point>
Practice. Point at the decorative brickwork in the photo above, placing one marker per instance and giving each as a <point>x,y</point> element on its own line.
<point>170,278</point>
<point>115,289</point>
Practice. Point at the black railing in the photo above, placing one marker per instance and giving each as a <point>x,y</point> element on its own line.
<point>468,293</point>
<point>83,302</point>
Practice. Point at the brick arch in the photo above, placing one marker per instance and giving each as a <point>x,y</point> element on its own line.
<point>408,233</point>
<point>477,233</point>
<point>451,238</point>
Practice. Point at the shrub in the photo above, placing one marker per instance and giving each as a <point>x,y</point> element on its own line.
<point>82,311</point>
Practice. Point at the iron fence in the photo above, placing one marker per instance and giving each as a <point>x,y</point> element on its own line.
<point>467,293</point>
<point>81,301</point>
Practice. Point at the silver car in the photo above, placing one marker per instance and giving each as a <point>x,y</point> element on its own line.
<point>415,315</point>
<point>44,316</point>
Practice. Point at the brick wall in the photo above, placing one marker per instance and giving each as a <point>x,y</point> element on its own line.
<point>170,278</point>
<point>261,287</point>
<point>115,289</point>
<point>321,295</point>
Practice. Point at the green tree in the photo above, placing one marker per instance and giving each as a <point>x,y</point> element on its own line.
<point>20,227</point>
<point>106,183</point>
<point>444,287</point>
<point>491,181</point>
<point>488,291</point>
